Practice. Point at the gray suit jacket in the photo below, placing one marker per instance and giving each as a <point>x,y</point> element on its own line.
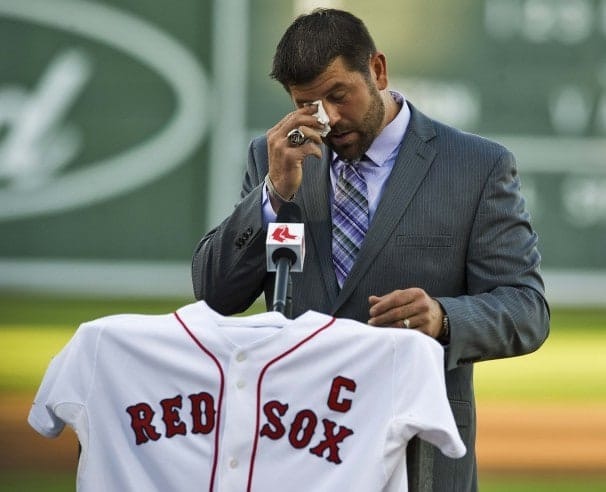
<point>451,220</point>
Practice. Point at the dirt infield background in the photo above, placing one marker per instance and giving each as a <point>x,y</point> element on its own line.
<point>517,438</point>
<point>542,438</point>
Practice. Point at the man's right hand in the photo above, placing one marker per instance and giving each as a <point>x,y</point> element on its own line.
<point>286,159</point>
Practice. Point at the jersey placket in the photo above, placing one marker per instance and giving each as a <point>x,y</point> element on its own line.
<point>239,414</point>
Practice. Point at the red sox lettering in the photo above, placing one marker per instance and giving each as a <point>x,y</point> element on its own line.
<point>202,417</point>
<point>201,406</point>
<point>303,426</point>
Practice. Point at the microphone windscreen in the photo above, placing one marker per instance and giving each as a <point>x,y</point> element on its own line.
<point>289,213</point>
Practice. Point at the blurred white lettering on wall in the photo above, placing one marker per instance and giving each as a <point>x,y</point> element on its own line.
<point>38,139</point>
<point>543,21</point>
<point>39,142</point>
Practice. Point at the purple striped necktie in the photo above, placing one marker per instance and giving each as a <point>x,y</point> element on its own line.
<point>349,218</point>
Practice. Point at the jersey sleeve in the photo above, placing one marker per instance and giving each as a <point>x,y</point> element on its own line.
<point>61,397</point>
<point>420,404</point>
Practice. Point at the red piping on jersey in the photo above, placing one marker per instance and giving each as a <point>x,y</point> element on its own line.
<point>219,402</point>
<point>260,381</point>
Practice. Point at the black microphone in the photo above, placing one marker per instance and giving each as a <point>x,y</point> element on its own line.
<point>285,247</point>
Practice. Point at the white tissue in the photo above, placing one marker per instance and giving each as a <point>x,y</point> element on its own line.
<point>322,117</point>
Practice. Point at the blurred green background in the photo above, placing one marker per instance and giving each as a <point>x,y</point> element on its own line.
<point>123,136</point>
<point>124,128</point>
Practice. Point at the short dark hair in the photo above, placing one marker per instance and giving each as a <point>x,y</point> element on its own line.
<point>315,40</point>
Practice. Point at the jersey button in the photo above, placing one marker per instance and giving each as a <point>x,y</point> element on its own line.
<point>241,357</point>
<point>240,384</point>
<point>233,463</point>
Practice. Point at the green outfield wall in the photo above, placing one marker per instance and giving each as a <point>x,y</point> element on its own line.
<point>124,124</point>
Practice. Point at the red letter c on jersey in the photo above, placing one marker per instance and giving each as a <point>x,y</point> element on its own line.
<point>334,401</point>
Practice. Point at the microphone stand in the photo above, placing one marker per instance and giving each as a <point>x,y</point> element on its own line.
<point>288,312</point>
<point>282,301</point>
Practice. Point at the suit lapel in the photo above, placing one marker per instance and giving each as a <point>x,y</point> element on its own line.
<point>411,166</point>
<point>315,199</point>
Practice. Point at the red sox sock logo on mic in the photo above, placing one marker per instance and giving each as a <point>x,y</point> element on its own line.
<point>281,233</point>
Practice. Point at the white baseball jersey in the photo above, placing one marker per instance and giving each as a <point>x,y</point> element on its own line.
<point>197,401</point>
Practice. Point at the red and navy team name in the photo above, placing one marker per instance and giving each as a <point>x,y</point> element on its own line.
<point>300,428</point>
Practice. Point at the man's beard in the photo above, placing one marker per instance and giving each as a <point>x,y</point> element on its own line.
<point>367,131</point>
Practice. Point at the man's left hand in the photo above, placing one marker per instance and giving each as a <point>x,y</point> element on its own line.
<point>408,308</point>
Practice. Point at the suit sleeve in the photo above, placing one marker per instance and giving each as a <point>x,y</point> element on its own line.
<point>228,266</point>
<point>505,312</point>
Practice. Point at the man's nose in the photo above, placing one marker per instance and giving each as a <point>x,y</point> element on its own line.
<point>333,113</point>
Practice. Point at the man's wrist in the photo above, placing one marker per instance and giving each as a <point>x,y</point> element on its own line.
<point>444,336</point>
<point>273,193</point>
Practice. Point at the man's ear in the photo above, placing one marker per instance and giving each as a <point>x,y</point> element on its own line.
<point>378,70</point>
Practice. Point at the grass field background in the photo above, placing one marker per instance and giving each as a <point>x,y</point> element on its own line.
<point>569,369</point>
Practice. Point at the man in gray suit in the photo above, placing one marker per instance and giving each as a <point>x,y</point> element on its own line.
<point>447,249</point>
